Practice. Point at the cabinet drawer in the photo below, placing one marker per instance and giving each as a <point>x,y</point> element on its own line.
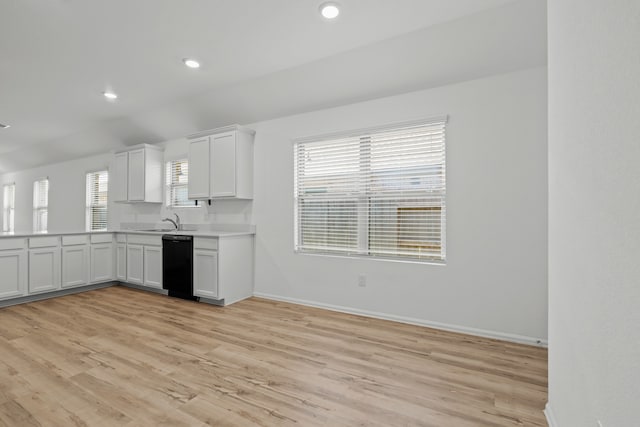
<point>141,239</point>
<point>44,242</point>
<point>205,243</point>
<point>101,238</point>
<point>121,238</point>
<point>7,244</point>
<point>75,240</point>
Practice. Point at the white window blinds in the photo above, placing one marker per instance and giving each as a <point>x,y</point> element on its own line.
<point>378,193</point>
<point>177,184</point>
<point>97,200</point>
<point>9,208</point>
<point>40,205</point>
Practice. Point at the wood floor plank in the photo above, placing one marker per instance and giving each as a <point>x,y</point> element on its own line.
<point>118,356</point>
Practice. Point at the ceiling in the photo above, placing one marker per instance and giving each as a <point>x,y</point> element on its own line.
<point>260,59</point>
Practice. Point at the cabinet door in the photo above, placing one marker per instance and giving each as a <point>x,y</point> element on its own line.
<point>223,165</point>
<point>75,266</point>
<point>199,169</point>
<point>44,270</point>
<point>13,271</point>
<point>119,177</point>
<point>121,262</point>
<point>136,175</point>
<point>135,261</point>
<point>205,273</point>
<point>153,266</point>
<point>101,263</point>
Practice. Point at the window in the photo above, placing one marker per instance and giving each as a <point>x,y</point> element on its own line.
<point>177,179</point>
<point>9,208</point>
<point>40,205</point>
<point>374,193</point>
<point>97,197</point>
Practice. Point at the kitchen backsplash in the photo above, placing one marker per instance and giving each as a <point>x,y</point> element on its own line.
<point>220,212</point>
<point>187,226</point>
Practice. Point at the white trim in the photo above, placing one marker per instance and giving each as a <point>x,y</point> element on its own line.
<point>548,413</point>
<point>174,157</point>
<point>142,287</point>
<point>407,260</point>
<point>55,294</point>
<point>101,169</point>
<point>230,128</point>
<point>137,147</point>
<point>520,339</point>
<point>372,129</point>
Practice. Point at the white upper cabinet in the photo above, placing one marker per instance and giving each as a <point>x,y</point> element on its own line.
<point>119,177</point>
<point>135,183</point>
<point>137,174</point>
<point>221,163</point>
<point>199,169</point>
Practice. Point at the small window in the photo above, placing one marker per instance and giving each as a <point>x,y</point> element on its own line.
<point>378,193</point>
<point>177,184</point>
<point>97,200</point>
<point>40,205</point>
<point>9,208</point>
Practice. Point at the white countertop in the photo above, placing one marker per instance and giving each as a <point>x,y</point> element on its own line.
<point>195,233</point>
<point>62,233</point>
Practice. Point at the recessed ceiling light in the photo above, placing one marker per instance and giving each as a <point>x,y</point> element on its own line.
<point>329,10</point>
<point>191,63</point>
<point>4,126</point>
<point>110,95</point>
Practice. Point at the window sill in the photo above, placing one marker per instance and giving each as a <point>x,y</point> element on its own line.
<point>442,263</point>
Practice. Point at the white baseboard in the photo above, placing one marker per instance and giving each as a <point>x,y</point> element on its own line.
<point>548,413</point>
<point>520,339</point>
<point>55,294</point>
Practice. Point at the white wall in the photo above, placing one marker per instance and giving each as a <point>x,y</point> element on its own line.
<point>496,273</point>
<point>594,212</point>
<point>67,189</point>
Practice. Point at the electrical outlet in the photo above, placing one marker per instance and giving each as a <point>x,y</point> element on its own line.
<point>362,280</point>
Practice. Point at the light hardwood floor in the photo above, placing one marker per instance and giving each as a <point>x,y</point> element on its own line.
<point>122,357</point>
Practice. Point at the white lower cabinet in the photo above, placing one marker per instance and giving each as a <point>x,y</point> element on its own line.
<point>49,263</point>
<point>143,260</point>
<point>101,262</point>
<point>121,262</point>
<point>153,266</point>
<point>44,270</point>
<point>205,273</point>
<point>135,262</point>
<point>223,268</point>
<point>13,274</point>
<point>75,266</point>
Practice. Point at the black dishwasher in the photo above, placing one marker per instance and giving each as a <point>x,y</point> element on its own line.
<point>177,265</point>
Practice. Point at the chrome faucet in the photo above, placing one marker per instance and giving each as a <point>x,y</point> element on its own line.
<point>175,223</point>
